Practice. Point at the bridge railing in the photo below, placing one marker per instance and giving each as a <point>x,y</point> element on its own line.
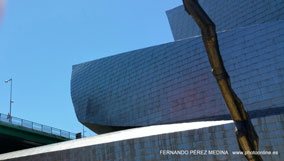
<point>36,126</point>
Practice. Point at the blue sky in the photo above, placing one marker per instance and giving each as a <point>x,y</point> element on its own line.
<point>41,40</point>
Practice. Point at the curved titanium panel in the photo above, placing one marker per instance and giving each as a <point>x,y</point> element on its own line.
<point>226,14</point>
<point>173,83</point>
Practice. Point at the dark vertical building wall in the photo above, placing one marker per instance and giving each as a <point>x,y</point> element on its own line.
<point>227,15</point>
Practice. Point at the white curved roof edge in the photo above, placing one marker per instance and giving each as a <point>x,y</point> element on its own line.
<point>114,136</point>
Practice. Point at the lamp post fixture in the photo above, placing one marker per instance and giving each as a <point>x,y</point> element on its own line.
<point>11,101</point>
<point>83,131</point>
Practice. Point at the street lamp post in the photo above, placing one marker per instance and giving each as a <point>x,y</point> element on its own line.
<point>11,101</point>
<point>83,131</point>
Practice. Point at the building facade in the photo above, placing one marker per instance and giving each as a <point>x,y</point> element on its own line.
<point>215,143</point>
<point>172,82</point>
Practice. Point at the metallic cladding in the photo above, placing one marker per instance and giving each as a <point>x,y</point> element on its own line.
<point>226,14</point>
<point>154,147</point>
<point>173,83</point>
